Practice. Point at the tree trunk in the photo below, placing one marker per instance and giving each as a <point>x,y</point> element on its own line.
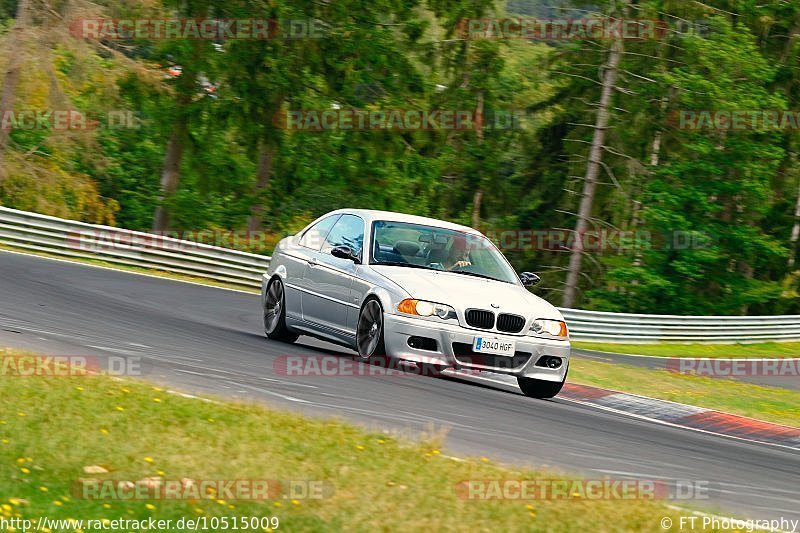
<point>655,155</point>
<point>171,171</point>
<point>477,198</point>
<point>170,174</point>
<point>592,171</point>
<point>656,151</point>
<point>476,207</point>
<point>795,232</point>
<point>787,48</point>
<point>263,175</point>
<point>16,50</point>
<point>746,270</point>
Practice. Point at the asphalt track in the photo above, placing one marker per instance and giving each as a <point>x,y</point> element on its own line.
<point>206,340</point>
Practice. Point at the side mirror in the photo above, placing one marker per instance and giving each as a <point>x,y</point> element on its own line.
<point>529,279</point>
<point>345,252</point>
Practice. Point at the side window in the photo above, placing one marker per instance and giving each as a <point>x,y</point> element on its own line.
<point>349,230</point>
<point>314,237</point>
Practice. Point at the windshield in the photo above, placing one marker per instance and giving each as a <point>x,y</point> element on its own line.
<point>419,246</point>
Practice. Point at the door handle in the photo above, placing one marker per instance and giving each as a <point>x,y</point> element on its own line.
<point>312,262</point>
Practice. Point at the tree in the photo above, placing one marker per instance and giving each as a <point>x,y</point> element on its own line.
<point>609,79</point>
<point>16,54</point>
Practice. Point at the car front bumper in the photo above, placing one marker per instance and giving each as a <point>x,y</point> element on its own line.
<point>453,348</point>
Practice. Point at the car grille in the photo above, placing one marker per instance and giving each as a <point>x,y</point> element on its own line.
<point>465,356</point>
<point>478,318</point>
<point>510,323</point>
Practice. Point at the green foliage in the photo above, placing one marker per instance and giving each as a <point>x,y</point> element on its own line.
<point>717,205</point>
<point>715,191</point>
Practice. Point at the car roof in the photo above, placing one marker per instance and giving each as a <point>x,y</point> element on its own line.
<point>370,215</point>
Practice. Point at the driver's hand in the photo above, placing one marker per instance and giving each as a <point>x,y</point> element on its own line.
<point>461,264</point>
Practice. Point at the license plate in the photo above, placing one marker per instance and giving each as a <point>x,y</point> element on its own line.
<point>493,346</point>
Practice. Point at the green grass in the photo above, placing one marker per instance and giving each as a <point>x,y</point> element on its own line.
<point>766,349</point>
<point>53,427</point>
<point>765,403</point>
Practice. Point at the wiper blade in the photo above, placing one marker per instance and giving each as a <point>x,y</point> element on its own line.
<point>400,264</point>
<point>475,274</point>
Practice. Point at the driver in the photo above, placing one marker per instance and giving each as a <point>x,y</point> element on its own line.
<point>459,254</point>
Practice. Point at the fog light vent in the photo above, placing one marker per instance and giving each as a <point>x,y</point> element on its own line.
<point>549,361</point>
<point>422,343</point>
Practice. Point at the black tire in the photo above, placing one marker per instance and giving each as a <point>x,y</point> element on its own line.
<point>538,388</point>
<point>369,332</point>
<point>275,313</point>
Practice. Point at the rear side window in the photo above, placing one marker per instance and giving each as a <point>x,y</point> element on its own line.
<point>315,236</point>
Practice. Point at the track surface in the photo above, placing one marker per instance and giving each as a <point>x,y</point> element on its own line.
<point>208,340</point>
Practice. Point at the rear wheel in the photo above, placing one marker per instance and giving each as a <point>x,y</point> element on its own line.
<point>369,334</point>
<point>539,388</point>
<point>275,313</point>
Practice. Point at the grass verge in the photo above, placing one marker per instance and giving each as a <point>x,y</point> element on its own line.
<point>54,427</point>
<point>781,406</point>
<point>766,349</point>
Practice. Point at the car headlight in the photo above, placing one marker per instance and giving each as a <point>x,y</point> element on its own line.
<point>424,308</point>
<point>553,328</point>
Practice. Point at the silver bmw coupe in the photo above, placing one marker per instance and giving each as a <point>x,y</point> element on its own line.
<point>418,289</point>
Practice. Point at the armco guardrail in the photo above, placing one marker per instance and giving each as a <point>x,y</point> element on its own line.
<point>636,328</point>
<point>67,238</point>
<point>32,231</point>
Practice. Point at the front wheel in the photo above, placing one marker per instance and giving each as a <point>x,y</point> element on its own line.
<point>275,314</point>
<point>369,335</point>
<point>539,388</point>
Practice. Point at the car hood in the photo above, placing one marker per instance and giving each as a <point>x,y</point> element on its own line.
<point>464,292</point>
